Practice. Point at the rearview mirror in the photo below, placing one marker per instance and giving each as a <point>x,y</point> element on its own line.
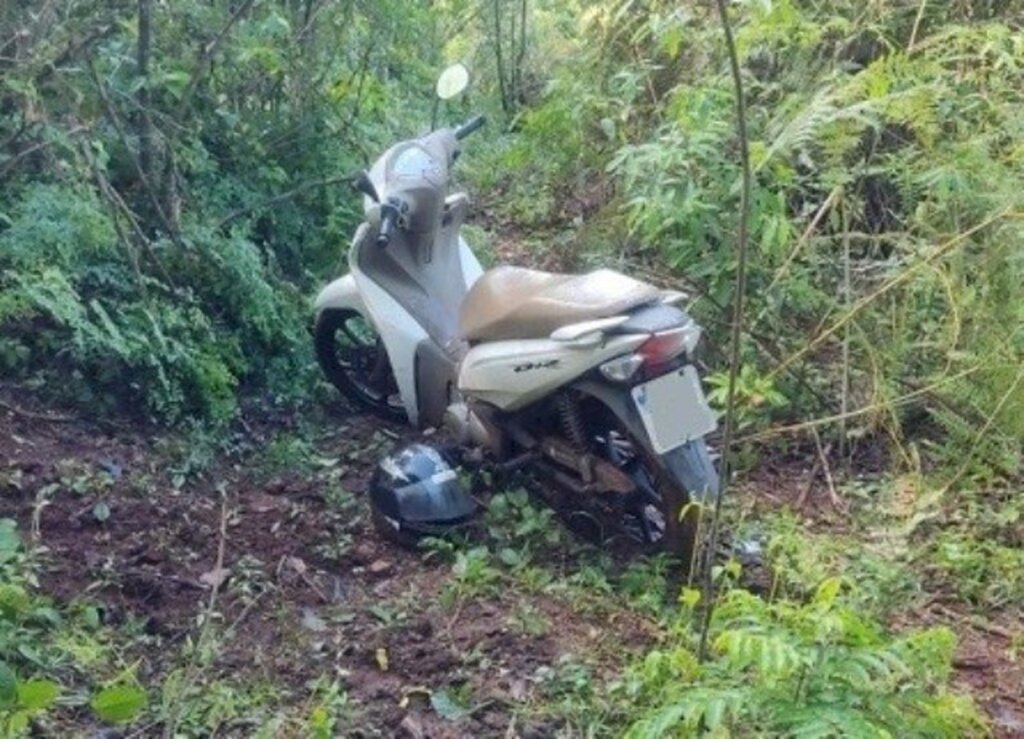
<point>452,81</point>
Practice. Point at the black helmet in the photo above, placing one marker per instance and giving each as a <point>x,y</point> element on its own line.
<point>415,492</point>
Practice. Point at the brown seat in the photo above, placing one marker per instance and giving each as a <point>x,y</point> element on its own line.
<point>517,303</point>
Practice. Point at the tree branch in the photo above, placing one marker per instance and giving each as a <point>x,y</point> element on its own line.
<point>207,57</point>
<point>136,164</point>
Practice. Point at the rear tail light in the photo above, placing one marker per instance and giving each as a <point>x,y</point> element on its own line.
<point>665,345</point>
<point>658,349</point>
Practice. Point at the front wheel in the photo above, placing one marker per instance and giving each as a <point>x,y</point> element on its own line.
<point>352,356</point>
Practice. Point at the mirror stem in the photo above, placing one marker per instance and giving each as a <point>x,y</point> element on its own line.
<point>433,114</point>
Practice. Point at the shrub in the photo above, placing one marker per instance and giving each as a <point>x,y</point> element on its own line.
<point>809,670</point>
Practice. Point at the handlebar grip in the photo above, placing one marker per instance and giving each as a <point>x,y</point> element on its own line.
<point>470,126</point>
<point>388,219</point>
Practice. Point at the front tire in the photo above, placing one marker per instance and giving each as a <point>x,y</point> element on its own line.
<point>353,358</point>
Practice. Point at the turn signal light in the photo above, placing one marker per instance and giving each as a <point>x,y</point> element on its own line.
<point>621,369</point>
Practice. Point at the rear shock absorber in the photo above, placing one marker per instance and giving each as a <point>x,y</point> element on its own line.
<point>571,418</point>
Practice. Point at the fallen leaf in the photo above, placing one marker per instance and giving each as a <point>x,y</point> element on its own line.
<point>313,622</point>
<point>380,566</point>
<point>296,564</point>
<point>416,691</point>
<point>119,704</point>
<point>215,577</point>
<point>263,503</point>
<point>446,706</point>
<point>101,511</point>
<point>112,468</point>
<point>517,690</point>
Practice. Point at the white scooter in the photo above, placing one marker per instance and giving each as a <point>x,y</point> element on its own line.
<point>585,380</point>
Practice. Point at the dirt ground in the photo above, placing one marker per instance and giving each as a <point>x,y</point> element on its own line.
<point>296,607</point>
<point>305,588</point>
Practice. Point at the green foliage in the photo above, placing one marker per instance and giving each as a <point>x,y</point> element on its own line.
<point>169,291</point>
<point>754,395</point>
<point>119,704</point>
<point>25,700</point>
<point>858,143</point>
<point>473,575</point>
<point>985,572</point>
<point>46,651</point>
<point>127,339</point>
<point>814,669</point>
<point>161,230</point>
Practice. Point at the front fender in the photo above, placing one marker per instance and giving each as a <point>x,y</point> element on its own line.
<point>341,293</point>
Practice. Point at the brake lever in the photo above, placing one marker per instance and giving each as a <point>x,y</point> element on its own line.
<point>363,184</point>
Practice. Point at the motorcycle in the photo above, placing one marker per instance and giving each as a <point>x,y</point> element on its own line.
<point>585,380</point>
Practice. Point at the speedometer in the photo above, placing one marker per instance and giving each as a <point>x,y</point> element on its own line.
<point>414,163</point>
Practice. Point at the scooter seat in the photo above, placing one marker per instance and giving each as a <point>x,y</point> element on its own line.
<point>517,303</point>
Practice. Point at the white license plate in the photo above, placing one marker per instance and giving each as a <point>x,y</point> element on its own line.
<point>674,409</point>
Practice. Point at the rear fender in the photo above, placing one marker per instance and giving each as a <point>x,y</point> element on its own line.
<point>690,464</point>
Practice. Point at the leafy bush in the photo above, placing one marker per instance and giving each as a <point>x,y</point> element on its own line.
<point>44,649</point>
<point>814,669</point>
<point>983,571</point>
<point>887,160</point>
<point>74,306</point>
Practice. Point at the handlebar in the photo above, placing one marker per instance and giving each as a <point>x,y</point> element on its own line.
<point>388,221</point>
<point>470,126</point>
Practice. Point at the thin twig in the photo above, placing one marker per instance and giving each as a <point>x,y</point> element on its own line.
<point>881,405</point>
<point>136,164</point>
<point>170,727</point>
<point>804,238</point>
<point>207,56</point>
<point>917,26</point>
<point>39,145</point>
<point>801,499</point>
<point>114,197</point>
<point>737,328</point>
<point>827,469</point>
<point>844,393</point>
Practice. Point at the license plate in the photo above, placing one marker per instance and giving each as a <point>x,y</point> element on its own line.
<point>673,409</point>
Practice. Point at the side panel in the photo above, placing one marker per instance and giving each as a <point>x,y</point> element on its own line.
<point>513,374</point>
<point>401,335</point>
<point>471,269</point>
<point>435,376</point>
<point>398,330</point>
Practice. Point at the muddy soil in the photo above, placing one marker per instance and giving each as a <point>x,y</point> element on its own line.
<point>305,586</point>
<point>278,552</point>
